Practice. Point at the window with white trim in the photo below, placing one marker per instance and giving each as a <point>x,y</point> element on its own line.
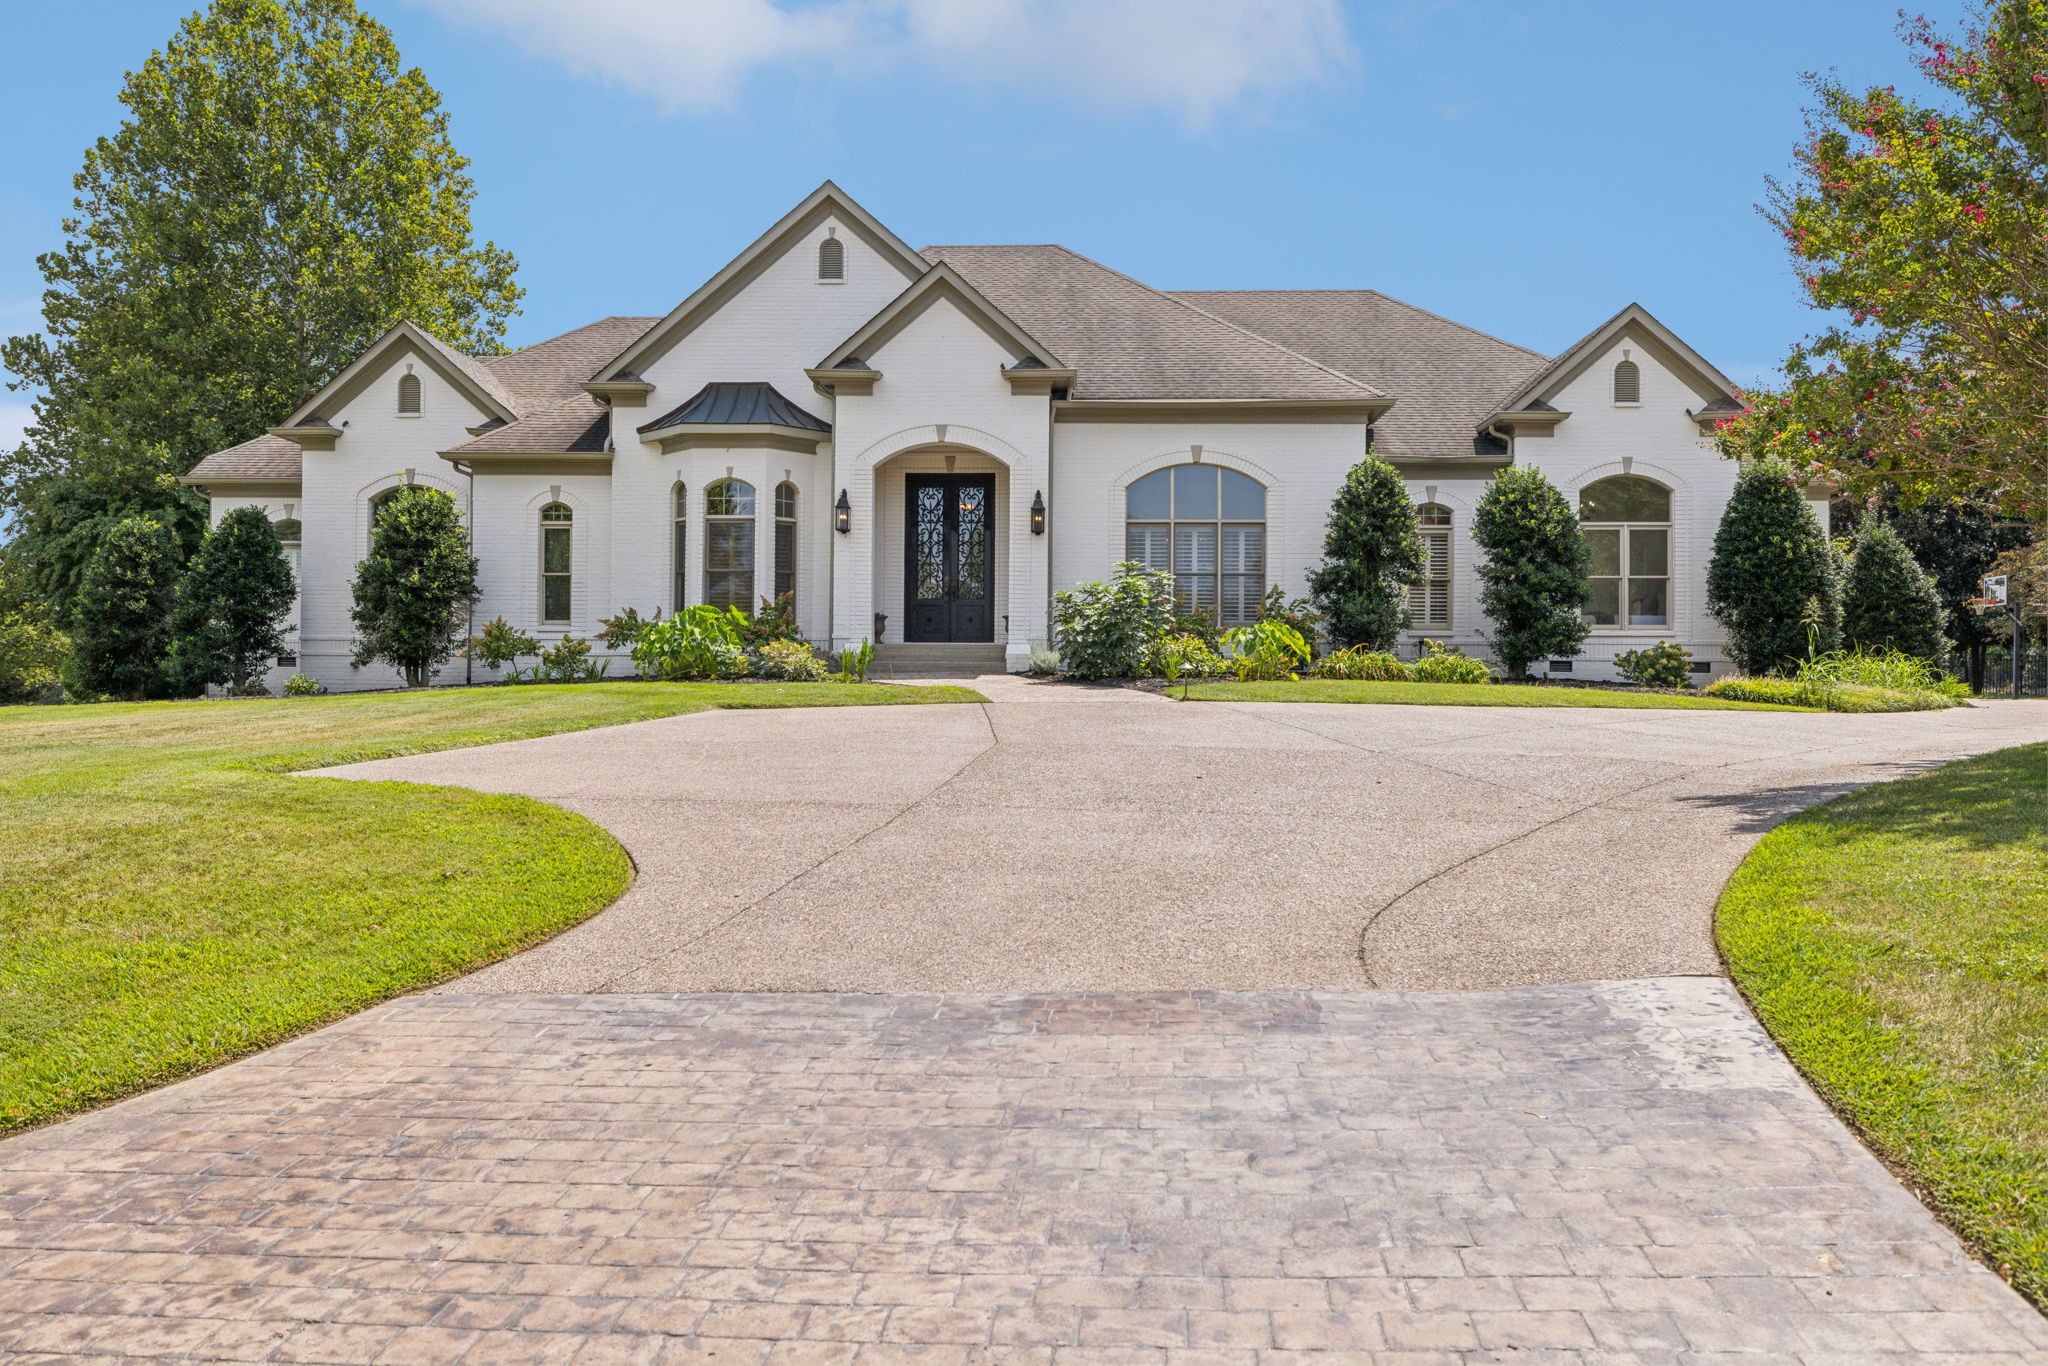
<point>681,545</point>
<point>290,537</point>
<point>408,395</point>
<point>1206,526</point>
<point>729,544</point>
<point>1429,597</point>
<point>556,558</point>
<point>1628,382</point>
<point>1626,521</point>
<point>785,540</point>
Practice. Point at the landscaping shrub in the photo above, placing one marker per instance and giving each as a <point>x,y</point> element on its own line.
<point>1772,581</point>
<point>412,593</point>
<point>1888,601</point>
<point>1200,623</point>
<point>227,626</point>
<point>854,662</point>
<point>1044,659</point>
<point>1668,665</point>
<point>1848,697</point>
<point>1106,630</point>
<point>568,661</point>
<point>1371,554</point>
<point>1359,664</point>
<point>500,643</point>
<point>301,685</point>
<point>622,632</point>
<point>1441,663</point>
<point>1186,656</point>
<point>1894,669</point>
<point>120,622</point>
<point>775,621</point>
<point>792,661</point>
<point>1265,651</point>
<point>32,654</point>
<point>1533,580</point>
<point>699,642</point>
<point>1298,613</point>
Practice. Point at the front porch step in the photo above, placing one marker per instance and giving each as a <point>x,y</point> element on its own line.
<point>936,661</point>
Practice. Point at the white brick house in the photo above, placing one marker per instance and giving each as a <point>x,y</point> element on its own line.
<point>923,446</point>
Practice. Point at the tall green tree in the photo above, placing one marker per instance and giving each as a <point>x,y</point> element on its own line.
<point>1371,554</point>
<point>1888,601</point>
<point>413,594</point>
<point>1957,543</point>
<point>281,191</point>
<point>121,616</point>
<point>1772,581</point>
<point>1533,581</point>
<point>228,625</point>
<point>1918,221</point>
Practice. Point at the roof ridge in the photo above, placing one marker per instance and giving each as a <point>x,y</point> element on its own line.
<point>1222,321</point>
<point>1402,303</point>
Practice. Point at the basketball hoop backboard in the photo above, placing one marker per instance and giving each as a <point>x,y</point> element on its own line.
<point>1994,588</point>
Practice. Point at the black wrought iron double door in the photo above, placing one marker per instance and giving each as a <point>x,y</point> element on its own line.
<point>949,590</point>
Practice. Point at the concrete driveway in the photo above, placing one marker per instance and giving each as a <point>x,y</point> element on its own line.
<point>1066,839</point>
<point>1046,1138</point>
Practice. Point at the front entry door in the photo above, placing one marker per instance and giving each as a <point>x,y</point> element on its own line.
<point>949,589</point>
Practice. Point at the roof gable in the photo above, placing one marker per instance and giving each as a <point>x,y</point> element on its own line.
<point>1636,324</point>
<point>940,282</point>
<point>464,373</point>
<point>827,201</point>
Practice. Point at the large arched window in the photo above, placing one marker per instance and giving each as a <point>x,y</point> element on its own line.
<point>729,544</point>
<point>1206,526</point>
<point>785,540</point>
<point>1626,521</point>
<point>556,557</point>
<point>1429,597</point>
<point>682,544</point>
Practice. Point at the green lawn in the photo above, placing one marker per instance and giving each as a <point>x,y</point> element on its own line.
<point>170,898</point>
<point>1896,943</point>
<point>1459,695</point>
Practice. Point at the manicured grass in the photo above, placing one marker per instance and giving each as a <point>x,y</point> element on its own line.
<point>1896,943</point>
<point>169,898</point>
<point>1458,695</point>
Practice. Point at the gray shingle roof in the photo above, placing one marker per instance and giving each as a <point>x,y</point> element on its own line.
<point>545,373</point>
<point>576,425</point>
<point>1126,340</point>
<point>1445,377</point>
<point>267,457</point>
<point>752,403</point>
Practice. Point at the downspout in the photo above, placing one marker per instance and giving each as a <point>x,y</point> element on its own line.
<point>1505,438</point>
<point>468,471</point>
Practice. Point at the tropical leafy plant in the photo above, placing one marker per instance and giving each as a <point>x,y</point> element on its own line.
<point>1190,655</point>
<point>1300,613</point>
<point>1533,580</point>
<point>1106,630</point>
<point>1265,651</point>
<point>698,642</point>
<point>1666,665</point>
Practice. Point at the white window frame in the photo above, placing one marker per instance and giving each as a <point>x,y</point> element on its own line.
<point>1174,524</point>
<point>1623,577</point>
<point>1436,568</point>
<point>679,544</point>
<point>565,526</point>
<point>713,522</point>
<point>785,554</point>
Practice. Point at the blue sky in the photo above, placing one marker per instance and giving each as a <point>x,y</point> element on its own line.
<point>1523,168</point>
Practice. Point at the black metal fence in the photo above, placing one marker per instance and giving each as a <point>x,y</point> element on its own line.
<point>1998,672</point>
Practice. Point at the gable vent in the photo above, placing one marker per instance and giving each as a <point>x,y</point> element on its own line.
<point>831,259</point>
<point>409,394</point>
<point>1628,383</point>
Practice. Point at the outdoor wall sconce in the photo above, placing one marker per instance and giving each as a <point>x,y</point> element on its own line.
<point>842,514</point>
<point>1038,513</point>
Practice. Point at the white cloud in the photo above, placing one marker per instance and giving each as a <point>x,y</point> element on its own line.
<point>1192,58</point>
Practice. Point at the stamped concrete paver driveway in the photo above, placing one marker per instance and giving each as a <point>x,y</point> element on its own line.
<point>1121,1091</point>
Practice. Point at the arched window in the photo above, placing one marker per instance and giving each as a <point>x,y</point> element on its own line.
<point>785,540</point>
<point>729,544</point>
<point>682,544</point>
<point>408,395</point>
<point>1429,598</point>
<point>378,503</point>
<point>556,557</point>
<point>1626,521</point>
<point>1206,526</point>
<point>1628,382</point>
<point>831,259</point>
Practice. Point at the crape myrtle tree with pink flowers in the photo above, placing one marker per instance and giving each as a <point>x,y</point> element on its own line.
<point>1918,221</point>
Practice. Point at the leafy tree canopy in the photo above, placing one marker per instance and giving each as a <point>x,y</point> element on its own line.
<point>1920,224</point>
<point>1371,554</point>
<point>281,192</point>
<point>120,619</point>
<point>1533,582</point>
<point>413,594</point>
